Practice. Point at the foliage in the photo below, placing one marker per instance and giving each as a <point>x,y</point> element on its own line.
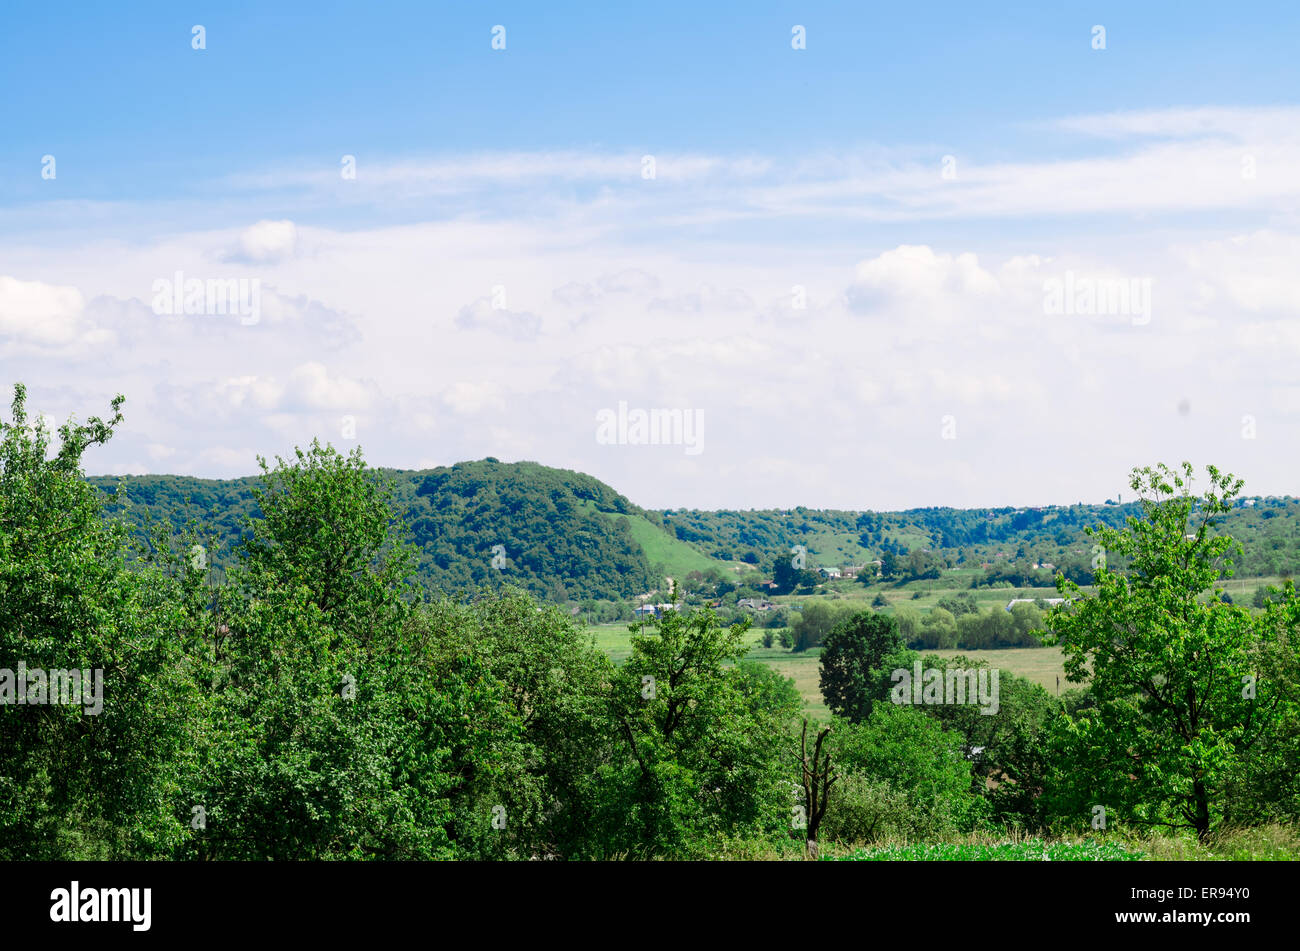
<point>1172,724</point>
<point>852,653</point>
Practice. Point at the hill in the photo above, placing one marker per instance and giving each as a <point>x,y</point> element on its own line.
<point>568,537</point>
<point>558,534</point>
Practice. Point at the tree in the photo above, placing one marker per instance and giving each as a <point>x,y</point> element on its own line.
<point>892,567</point>
<point>95,775</point>
<point>335,729</point>
<point>817,778</point>
<point>852,650</point>
<point>328,526</point>
<point>903,774</point>
<point>1172,721</point>
<point>703,741</point>
<point>813,624</point>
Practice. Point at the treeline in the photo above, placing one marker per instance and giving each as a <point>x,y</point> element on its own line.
<point>316,703</point>
<point>564,536</point>
<point>955,622</point>
<point>1007,543</point>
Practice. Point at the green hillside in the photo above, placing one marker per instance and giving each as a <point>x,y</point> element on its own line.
<point>558,534</point>
<point>668,553</point>
<point>568,537</point>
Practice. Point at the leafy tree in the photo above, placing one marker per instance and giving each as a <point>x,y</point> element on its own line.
<point>853,649</point>
<point>328,726</point>
<point>703,742</point>
<point>903,774</point>
<point>813,624</point>
<point>1172,722</point>
<point>76,781</point>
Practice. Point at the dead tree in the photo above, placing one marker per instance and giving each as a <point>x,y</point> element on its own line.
<point>818,779</point>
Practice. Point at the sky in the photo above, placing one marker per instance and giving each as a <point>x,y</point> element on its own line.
<point>876,256</point>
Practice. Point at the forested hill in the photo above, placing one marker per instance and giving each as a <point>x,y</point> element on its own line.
<point>1009,543</point>
<point>566,536</point>
<point>561,535</point>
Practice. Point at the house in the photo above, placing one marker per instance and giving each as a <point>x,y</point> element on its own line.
<point>755,604</point>
<point>829,572</point>
<point>655,610</point>
<point>1050,602</point>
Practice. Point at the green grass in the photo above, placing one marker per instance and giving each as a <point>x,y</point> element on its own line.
<point>1040,664</point>
<point>1268,843</point>
<point>674,556</point>
<point>1027,850</point>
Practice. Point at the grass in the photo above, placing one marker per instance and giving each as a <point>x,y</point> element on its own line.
<point>1040,664</point>
<point>1026,850</point>
<point>1268,843</point>
<point>674,556</point>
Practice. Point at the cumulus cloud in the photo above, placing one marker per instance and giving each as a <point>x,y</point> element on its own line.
<point>916,276</point>
<point>682,297</point>
<point>45,316</point>
<point>481,315</point>
<point>267,242</point>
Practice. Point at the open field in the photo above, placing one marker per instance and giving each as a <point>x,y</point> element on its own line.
<point>1042,665</point>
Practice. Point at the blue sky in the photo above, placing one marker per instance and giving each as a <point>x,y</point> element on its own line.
<point>501,269</point>
<point>126,102</point>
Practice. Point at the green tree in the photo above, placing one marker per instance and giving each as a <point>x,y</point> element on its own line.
<point>903,774</point>
<point>851,654</point>
<point>813,624</point>
<point>705,743</point>
<point>335,730</point>
<point>1171,722</point>
<point>76,781</point>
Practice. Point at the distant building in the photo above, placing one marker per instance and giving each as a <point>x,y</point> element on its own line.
<point>755,604</point>
<point>829,572</point>
<point>656,610</point>
<point>1050,602</point>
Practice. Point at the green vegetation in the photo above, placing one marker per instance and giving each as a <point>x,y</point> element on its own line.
<point>574,541</point>
<point>1029,850</point>
<point>296,690</point>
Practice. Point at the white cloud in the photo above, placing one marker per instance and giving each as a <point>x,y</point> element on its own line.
<point>45,316</point>
<point>625,294</point>
<point>481,315</point>
<point>268,241</point>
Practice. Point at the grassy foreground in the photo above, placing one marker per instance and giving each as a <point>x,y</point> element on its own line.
<point>1269,843</point>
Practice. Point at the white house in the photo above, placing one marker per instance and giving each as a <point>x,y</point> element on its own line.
<point>655,610</point>
<point>1050,602</point>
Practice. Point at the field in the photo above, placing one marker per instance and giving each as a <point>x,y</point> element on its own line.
<point>1042,665</point>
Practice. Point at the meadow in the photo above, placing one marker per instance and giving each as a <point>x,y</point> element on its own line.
<point>1042,665</point>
